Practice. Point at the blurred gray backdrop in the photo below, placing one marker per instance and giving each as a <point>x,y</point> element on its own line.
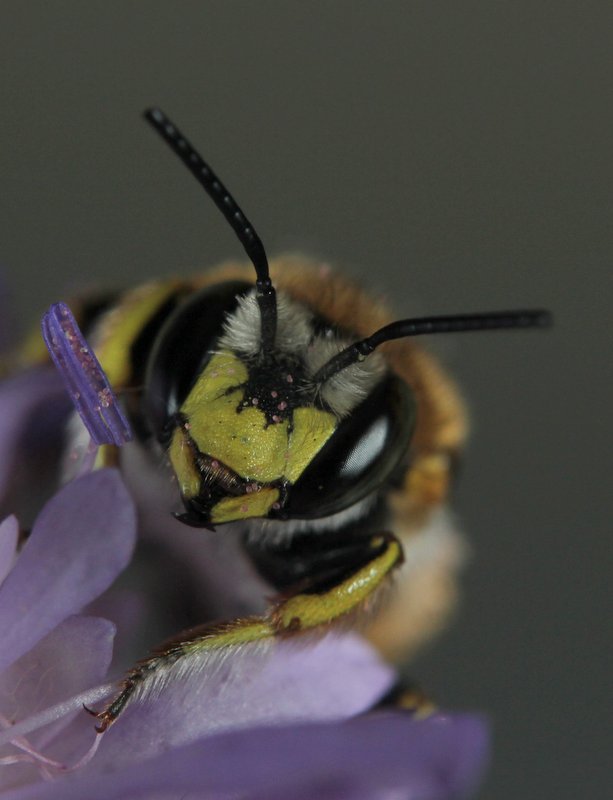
<point>455,155</point>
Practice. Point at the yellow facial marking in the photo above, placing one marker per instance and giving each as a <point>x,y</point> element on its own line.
<point>312,429</point>
<point>240,441</point>
<point>256,504</point>
<point>243,440</point>
<point>183,464</point>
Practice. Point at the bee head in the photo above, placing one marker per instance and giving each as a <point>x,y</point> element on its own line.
<point>266,409</point>
<point>254,433</point>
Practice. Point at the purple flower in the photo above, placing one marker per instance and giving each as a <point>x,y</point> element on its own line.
<point>80,542</point>
<point>375,757</point>
<point>278,721</point>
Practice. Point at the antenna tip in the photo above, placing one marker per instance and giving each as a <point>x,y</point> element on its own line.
<point>154,115</point>
<point>543,319</point>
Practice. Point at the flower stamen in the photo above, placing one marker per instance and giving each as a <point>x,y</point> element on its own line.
<point>48,767</point>
<point>84,378</point>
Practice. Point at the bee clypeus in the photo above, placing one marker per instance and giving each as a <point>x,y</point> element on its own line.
<point>284,400</point>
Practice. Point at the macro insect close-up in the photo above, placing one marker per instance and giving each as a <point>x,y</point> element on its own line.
<point>281,408</point>
<point>269,405</point>
<point>304,439</point>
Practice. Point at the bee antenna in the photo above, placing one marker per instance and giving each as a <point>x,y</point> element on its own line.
<point>265,291</point>
<point>458,323</point>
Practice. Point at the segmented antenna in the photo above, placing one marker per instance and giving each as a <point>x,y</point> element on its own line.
<point>458,323</point>
<point>232,212</point>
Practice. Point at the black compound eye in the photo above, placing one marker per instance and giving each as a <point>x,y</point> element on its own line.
<point>361,455</point>
<point>182,349</point>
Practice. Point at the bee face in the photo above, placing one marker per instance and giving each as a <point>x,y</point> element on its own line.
<point>256,436</point>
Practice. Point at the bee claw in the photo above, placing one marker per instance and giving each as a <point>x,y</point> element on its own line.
<point>104,717</point>
<point>100,729</point>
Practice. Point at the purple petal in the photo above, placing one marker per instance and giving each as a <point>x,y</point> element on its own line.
<point>85,380</point>
<point>377,756</point>
<point>9,533</point>
<point>334,678</point>
<point>82,539</point>
<point>70,659</point>
<point>129,608</point>
<point>33,405</point>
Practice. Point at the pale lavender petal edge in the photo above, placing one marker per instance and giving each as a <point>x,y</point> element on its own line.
<point>81,541</point>
<point>72,658</point>
<point>379,755</point>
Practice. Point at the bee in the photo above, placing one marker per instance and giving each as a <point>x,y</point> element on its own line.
<point>284,400</point>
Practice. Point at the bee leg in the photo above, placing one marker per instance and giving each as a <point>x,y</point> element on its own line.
<point>322,606</point>
<point>294,613</point>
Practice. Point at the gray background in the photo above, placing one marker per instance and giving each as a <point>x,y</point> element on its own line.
<point>456,155</point>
